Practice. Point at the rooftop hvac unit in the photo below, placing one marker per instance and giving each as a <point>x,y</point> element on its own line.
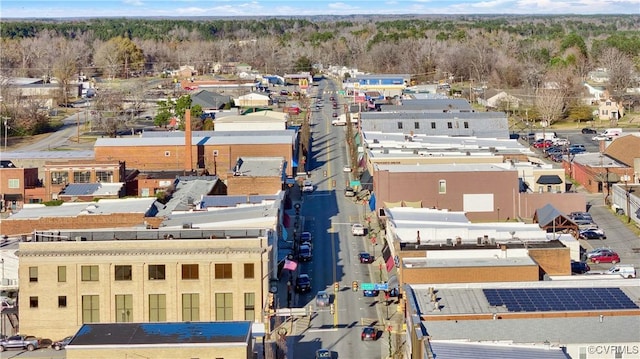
<point>449,241</point>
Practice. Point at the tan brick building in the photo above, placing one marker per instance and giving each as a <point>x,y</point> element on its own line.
<point>140,281</point>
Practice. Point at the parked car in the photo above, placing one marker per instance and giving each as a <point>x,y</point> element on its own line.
<point>589,131</point>
<point>600,138</point>
<point>303,283</point>
<point>61,344</point>
<point>370,293</point>
<point>357,229</point>
<point>335,114</point>
<point>543,144</point>
<point>576,148</point>
<point>27,342</point>
<point>365,257</point>
<point>606,257</point>
<point>579,267</point>
<point>322,299</point>
<point>597,251</point>
<point>323,354</point>
<point>592,233</point>
<point>561,142</point>
<point>304,253</point>
<point>305,237</point>
<point>585,215</point>
<point>369,333</point>
<point>626,271</point>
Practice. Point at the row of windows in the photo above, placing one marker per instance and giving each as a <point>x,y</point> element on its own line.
<point>90,273</point>
<point>416,125</point>
<point>158,307</point>
<point>60,177</point>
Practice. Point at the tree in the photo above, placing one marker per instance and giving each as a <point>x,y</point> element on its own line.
<point>620,70</point>
<point>549,103</point>
<point>303,64</point>
<point>65,69</point>
<point>119,56</point>
<point>110,115</point>
<point>579,112</point>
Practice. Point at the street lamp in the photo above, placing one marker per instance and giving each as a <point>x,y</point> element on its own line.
<point>6,131</point>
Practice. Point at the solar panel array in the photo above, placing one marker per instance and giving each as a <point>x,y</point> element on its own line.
<point>559,299</point>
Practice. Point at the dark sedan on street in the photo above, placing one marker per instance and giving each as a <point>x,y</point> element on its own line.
<point>365,257</point>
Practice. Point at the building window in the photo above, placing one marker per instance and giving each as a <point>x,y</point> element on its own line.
<point>104,176</point>
<point>81,176</point>
<point>223,271</point>
<point>416,125</point>
<point>248,271</point>
<point>433,125</point>
<point>33,274</point>
<point>466,124</point>
<point>190,271</point>
<point>156,272</point>
<point>62,301</point>
<point>167,153</point>
<point>249,306</point>
<point>124,308</point>
<point>14,183</point>
<point>33,302</point>
<point>608,103</point>
<point>399,125</point>
<point>62,274</point>
<point>224,306</point>
<point>59,177</point>
<point>442,186</point>
<point>123,273</point>
<point>90,309</point>
<point>157,307</point>
<point>190,307</point>
<point>449,125</point>
<point>89,273</point>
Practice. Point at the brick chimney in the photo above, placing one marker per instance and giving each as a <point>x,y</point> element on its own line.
<point>188,150</point>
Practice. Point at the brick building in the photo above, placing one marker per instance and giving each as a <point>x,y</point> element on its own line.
<point>14,184</point>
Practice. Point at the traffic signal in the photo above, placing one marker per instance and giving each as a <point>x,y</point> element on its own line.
<point>332,309</point>
<point>336,287</point>
<point>354,286</point>
<point>270,302</point>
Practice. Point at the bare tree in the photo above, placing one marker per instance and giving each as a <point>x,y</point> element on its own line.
<point>65,68</point>
<point>620,70</point>
<point>106,57</point>
<point>110,116</point>
<point>550,103</point>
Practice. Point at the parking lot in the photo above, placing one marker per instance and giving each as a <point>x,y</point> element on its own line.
<point>620,239</point>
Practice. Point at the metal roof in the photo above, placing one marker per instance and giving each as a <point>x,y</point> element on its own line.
<point>98,334</point>
<point>466,350</point>
<point>104,206</point>
<point>435,168</point>
<point>54,155</point>
<point>176,138</point>
<point>233,201</point>
<point>257,216</point>
<point>261,167</point>
<point>433,104</point>
<point>188,192</point>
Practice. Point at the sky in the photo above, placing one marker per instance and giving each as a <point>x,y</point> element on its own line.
<point>181,8</point>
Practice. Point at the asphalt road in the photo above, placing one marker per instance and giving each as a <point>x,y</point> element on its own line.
<point>328,216</point>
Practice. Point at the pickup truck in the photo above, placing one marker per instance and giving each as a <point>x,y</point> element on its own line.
<point>27,342</point>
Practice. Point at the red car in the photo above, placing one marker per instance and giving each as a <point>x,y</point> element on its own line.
<point>606,257</point>
<point>543,144</point>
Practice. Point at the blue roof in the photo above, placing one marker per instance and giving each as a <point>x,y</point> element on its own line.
<point>162,333</point>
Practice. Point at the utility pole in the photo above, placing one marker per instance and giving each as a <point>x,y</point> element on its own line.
<point>6,130</point>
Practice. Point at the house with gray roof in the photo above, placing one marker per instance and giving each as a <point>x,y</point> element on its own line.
<point>209,100</point>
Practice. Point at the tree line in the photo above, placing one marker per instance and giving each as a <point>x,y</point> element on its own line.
<point>503,52</point>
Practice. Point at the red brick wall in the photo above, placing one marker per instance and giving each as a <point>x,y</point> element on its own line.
<point>470,274</point>
<point>26,226</point>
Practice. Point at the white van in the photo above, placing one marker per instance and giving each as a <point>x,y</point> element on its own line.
<point>625,270</point>
<point>549,135</point>
<point>612,132</point>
